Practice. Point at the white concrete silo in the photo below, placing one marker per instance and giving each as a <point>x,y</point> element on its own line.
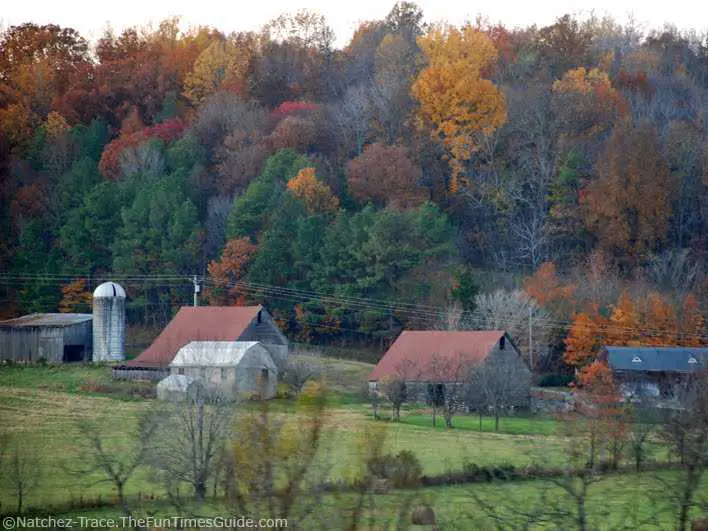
<point>109,322</point>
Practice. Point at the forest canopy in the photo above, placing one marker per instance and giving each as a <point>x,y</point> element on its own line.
<point>404,168</point>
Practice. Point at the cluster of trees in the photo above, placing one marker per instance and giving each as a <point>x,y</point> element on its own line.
<point>312,178</point>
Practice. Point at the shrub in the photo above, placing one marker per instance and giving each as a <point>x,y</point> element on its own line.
<point>403,470</point>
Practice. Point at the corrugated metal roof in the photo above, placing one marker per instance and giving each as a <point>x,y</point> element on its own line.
<point>196,323</point>
<point>656,359</point>
<point>423,355</point>
<point>219,354</point>
<point>47,319</point>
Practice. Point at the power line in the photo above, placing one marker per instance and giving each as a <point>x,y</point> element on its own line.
<point>426,313</point>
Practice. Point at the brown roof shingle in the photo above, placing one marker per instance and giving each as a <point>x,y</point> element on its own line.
<point>435,355</point>
<point>196,323</point>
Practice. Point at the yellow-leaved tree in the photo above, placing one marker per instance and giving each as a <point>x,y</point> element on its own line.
<point>455,100</point>
<point>223,65</point>
<point>316,195</point>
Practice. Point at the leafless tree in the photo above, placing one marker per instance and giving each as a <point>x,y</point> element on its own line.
<point>143,159</point>
<point>222,114</point>
<point>686,431</point>
<point>22,474</point>
<point>190,437</point>
<point>499,384</point>
<point>353,116</point>
<point>452,317</point>
<point>117,465</point>
<point>675,271</point>
<point>218,208</point>
<point>395,390</point>
<point>510,311</point>
<point>297,372</point>
<point>450,377</point>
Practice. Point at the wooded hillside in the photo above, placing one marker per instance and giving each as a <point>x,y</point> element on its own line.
<point>357,191</point>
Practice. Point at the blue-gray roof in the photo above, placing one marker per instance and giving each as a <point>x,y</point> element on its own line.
<point>656,359</point>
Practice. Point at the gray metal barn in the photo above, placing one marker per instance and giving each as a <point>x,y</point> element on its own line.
<point>54,337</point>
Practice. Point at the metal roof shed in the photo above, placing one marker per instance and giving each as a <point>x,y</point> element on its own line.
<point>240,368</point>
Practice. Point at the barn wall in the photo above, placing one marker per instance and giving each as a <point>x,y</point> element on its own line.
<point>268,333</point>
<point>30,344</point>
<point>19,344</point>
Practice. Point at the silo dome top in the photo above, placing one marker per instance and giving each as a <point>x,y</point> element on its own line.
<point>109,289</point>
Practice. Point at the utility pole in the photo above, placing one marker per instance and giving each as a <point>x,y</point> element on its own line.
<point>531,336</point>
<point>196,290</point>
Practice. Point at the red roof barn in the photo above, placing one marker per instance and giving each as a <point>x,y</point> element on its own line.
<point>213,323</point>
<point>438,355</point>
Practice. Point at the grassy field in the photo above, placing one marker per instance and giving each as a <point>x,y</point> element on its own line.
<point>42,407</point>
<point>627,502</point>
<point>47,423</point>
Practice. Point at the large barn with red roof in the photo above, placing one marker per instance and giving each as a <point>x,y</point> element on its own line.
<point>211,323</point>
<point>486,358</point>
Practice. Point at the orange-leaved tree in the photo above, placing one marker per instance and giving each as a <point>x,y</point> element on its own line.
<point>548,289</point>
<point>629,207</point>
<point>227,272</point>
<point>316,195</point>
<point>75,297</point>
<point>455,100</point>
<point>585,338</point>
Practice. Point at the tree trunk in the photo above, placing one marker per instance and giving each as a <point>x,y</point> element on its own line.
<point>496,420</point>
<point>20,498</point>
<point>200,490</point>
<point>480,421</point>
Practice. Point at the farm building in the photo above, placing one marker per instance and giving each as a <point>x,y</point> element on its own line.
<point>207,323</point>
<point>53,337</point>
<point>239,368</point>
<point>431,361</point>
<point>174,387</point>
<point>657,372</point>
<point>109,322</point>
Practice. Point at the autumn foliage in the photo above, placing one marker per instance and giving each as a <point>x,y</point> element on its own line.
<point>226,273</point>
<point>314,193</point>
<point>75,297</point>
<point>109,164</point>
<point>459,104</point>
<point>385,175</point>
<point>650,320</point>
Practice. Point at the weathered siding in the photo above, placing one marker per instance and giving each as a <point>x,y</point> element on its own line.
<point>267,332</point>
<point>31,344</point>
